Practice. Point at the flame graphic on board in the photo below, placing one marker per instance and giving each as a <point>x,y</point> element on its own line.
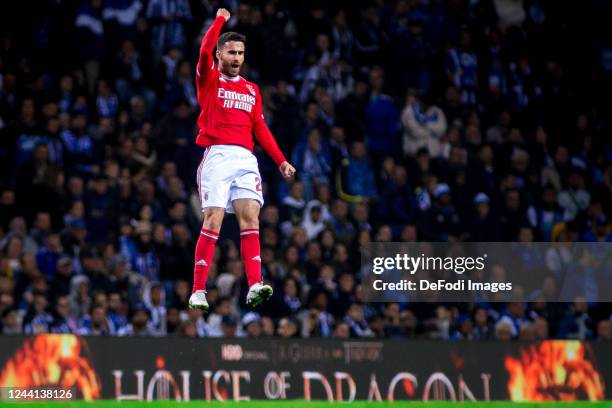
<point>52,360</point>
<point>554,370</point>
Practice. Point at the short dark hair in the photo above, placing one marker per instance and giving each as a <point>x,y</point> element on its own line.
<point>230,36</point>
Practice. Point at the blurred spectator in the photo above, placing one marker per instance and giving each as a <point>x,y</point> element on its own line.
<point>288,328</point>
<point>343,229</point>
<point>483,328</point>
<point>313,219</point>
<point>181,88</point>
<point>293,206</point>
<point>540,328</point>
<point>79,146</point>
<point>464,330</point>
<point>313,161</point>
<point>90,39</point>
<point>316,321</point>
<point>514,317</point>
<point>484,227</point>
<point>251,325</point>
<point>79,296</point>
<point>441,221</point>
<point>229,326</point>
<point>129,72</point>
<point>362,183</point>
<point>140,323</point>
<point>600,232</point>
<point>155,300</point>
<point>545,215</point>
<point>11,322</point>
<point>604,330</point>
<point>187,329</point>
<point>512,215</point>
<point>37,320</point>
<point>60,284</point>
<point>391,323</point>
<point>117,315</point>
<point>424,125</point>
<point>168,20</point>
<point>462,68</point>
<point>122,16</point>
<point>382,119</point>
<point>96,323</point>
<point>107,102</point>
<point>356,322</point>
<point>196,318</point>
<point>267,327</point>
<point>342,331</point>
<point>577,324</point>
<point>503,330</point>
<point>397,204</point>
<point>575,198</point>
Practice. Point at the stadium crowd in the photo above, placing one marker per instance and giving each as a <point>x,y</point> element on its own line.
<point>407,120</point>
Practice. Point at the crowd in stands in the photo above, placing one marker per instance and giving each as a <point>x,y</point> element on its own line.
<point>407,120</point>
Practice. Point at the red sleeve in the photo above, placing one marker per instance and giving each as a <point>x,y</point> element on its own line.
<point>263,134</point>
<point>205,62</point>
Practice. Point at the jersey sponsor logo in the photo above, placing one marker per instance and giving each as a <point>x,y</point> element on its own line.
<point>236,100</point>
<point>201,262</point>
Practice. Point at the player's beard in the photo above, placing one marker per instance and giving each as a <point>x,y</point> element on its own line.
<point>227,68</point>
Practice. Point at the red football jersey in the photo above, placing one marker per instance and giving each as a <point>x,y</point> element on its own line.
<point>231,106</point>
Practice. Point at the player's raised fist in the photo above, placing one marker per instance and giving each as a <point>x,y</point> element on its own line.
<point>224,13</point>
<point>287,170</point>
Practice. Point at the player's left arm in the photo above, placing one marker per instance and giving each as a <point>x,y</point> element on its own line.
<point>268,142</point>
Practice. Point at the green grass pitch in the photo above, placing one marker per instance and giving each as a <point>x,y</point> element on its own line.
<point>304,404</point>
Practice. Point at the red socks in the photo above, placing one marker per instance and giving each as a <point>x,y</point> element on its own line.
<point>205,248</point>
<point>249,250</point>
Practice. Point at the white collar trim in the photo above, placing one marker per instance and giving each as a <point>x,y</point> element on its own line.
<point>229,78</point>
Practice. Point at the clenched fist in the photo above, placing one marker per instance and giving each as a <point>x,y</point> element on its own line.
<point>287,170</point>
<point>224,13</point>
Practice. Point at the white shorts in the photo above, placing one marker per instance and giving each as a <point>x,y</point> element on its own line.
<point>227,173</point>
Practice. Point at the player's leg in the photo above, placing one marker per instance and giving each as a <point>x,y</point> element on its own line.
<point>247,213</point>
<point>205,249</point>
<point>213,189</point>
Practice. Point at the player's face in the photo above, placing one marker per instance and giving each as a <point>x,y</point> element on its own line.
<point>231,57</point>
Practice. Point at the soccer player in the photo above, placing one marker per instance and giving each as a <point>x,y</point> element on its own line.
<point>228,176</point>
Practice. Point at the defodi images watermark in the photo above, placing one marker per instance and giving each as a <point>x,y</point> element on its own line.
<point>487,272</point>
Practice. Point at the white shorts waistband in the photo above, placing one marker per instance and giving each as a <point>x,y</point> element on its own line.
<point>229,148</point>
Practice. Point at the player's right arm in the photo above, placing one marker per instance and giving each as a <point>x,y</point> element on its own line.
<point>206,63</point>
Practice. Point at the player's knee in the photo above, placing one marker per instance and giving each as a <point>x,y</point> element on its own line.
<point>213,218</point>
<point>212,224</point>
<point>250,217</point>
<point>251,221</point>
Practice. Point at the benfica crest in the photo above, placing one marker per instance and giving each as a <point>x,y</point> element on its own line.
<point>251,89</point>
